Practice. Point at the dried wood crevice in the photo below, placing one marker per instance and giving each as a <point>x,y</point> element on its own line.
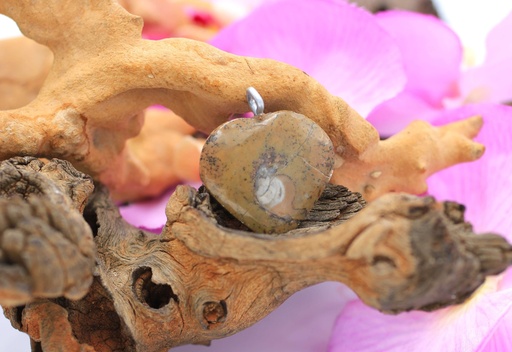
<point>336,205</point>
<point>200,280</point>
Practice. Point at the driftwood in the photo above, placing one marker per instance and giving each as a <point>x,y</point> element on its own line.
<point>206,277</point>
<point>422,6</point>
<point>43,253</point>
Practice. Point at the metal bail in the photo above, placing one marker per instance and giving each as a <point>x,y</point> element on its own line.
<point>255,101</point>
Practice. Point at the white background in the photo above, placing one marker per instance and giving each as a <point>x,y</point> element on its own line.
<point>471,19</point>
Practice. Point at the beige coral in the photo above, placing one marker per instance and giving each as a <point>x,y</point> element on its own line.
<point>164,147</point>
<point>167,152</point>
<point>104,75</point>
<point>24,65</point>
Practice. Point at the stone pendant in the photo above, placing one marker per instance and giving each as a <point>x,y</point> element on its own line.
<point>269,170</point>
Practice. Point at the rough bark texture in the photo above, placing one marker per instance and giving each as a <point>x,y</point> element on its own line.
<point>205,277</point>
<point>422,6</point>
<point>104,75</point>
<point>46,249</point>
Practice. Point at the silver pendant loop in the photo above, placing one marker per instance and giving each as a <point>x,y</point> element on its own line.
<point>255,101</point>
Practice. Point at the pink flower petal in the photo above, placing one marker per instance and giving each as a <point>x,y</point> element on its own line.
<point>501,339</point>
<point>506,281</point>
<point>491,82</point>
<point>149,214</point>
<point>431,51</point>
<point>458,328</point>
<point>394,115</point>
<point>432,56</point>
<point>337,43</point>
<point>497,50</point>
<point>484,186</point>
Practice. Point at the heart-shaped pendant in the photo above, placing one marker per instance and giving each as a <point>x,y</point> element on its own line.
<point>269,170</point>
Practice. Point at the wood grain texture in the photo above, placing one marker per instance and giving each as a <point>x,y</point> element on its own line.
<point>206,277</point>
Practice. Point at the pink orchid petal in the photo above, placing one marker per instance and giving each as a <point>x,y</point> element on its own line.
<point>337,43</point>
<point>431,51</point>
<point>497,50</point>
<point>301,324</point>
<point>506,281</point>
<point>149,214</point>
<point>395,114</point>
<point>155,33</point>
<point>489,82</point>
<point>237,4</point>
<point>432,56</point>
<point>484,186</point>
<point>458,328</point>
<point>501,339</point>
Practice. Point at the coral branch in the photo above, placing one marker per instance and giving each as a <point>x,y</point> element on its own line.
<point>24,65</point>
<point>417,152</point>
<point>113,75</point>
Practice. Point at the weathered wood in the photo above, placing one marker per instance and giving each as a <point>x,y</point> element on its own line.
<point>58,181</point>
<point>200,280</point>
<point>336,205</point>
<point>423,6</point>
<point>46,249</point>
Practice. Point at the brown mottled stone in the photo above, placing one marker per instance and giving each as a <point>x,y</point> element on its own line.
<point>268,171</point>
